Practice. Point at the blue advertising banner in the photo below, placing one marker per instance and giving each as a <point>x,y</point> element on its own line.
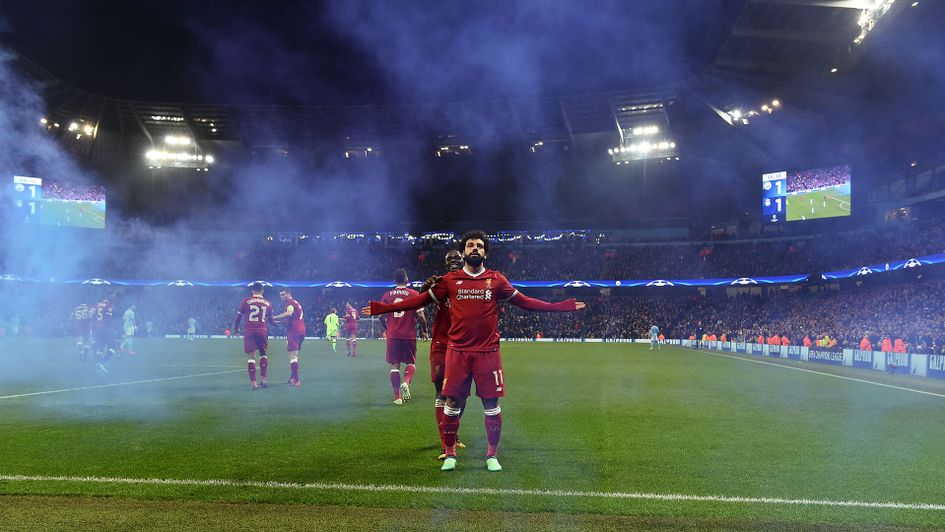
<point>741,347</point>
<point>825,356</point>
<point>862,359</point>
<point>758,349</point>
<point>936,367</point>
<point>774,351</point>
<point>794,352</point>
<point>898,363</point>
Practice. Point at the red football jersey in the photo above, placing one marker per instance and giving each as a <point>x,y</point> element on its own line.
<point>351,318</point>
<point>441,324</point>
<point>474,307</point>
<point>102,315</point>
<point>401,325</point>
<point>258,313</point>
<point>296,321</point>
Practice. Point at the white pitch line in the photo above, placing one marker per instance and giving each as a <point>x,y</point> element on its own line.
<point>114,384</point>
<point>401,488</point>
<point>805,370</point>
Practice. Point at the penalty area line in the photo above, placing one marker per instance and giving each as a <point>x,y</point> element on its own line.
<point>805,370</point>
<point>400,488</point>
<point>115,384</point>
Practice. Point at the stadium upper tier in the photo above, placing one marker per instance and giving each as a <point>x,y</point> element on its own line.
<point>367,260</point>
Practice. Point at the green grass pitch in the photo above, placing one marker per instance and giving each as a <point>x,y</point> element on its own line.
<point>603,418</point>
<point>799,206</point>
<point>74,214</point>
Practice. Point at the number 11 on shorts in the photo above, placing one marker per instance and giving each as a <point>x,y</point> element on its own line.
<point>499,379</point>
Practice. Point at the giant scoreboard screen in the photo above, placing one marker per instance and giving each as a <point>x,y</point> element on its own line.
<point>806,194</point>
<point>58,203</point>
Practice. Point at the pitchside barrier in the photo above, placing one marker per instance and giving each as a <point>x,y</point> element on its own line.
<point>899,363</point>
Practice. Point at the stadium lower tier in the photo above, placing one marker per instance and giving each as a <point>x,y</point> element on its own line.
<point>912,308</point>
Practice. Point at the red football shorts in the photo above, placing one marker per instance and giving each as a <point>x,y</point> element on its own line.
<point>401,351</point>
<point>351,332</point>
<point>437,361</point>
<point>294,340</point>
<point>464,367</point>
<point>253,340</point>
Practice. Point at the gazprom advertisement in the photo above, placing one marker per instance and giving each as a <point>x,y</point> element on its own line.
<point>936,366</point>
<point>794,352</point>
<point>898,362</point>
<point>862,359</point>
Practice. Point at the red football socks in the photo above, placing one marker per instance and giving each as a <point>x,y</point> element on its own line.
<point>493,429</point>
<point>408,373</point>
<point>263,366</point>
<point>251,366</point>
<point>449,427</point>
<point>395,382</point>
<point>438,413</point>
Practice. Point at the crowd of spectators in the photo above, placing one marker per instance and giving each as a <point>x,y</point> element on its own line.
<point>914,312</point>
<point>72,191</point>
<point>911,310</point>
<point>818,178</point>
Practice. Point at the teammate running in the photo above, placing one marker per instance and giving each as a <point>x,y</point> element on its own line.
<point>103,333</point>
<point>82,318</point>
<point>294,332</point>
<point>351,331</point>
<point>472,354</point>
<point>401,337</point>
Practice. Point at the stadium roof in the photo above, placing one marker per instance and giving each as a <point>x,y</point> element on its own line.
<point>767,38</point>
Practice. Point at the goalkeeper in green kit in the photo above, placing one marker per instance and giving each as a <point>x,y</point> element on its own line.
<point>331,329</point>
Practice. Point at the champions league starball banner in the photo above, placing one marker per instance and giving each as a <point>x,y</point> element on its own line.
<point>928,260</point>
<point>629,283</point>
